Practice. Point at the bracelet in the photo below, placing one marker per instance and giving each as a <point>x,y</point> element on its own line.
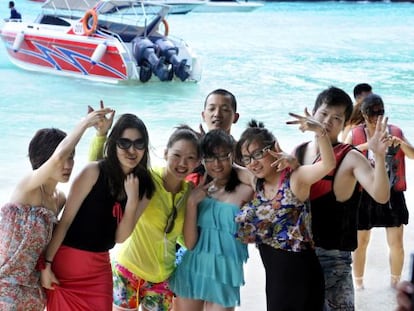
<point>48,261</point>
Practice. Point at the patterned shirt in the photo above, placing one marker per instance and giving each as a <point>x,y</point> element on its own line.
<point>283,222</point>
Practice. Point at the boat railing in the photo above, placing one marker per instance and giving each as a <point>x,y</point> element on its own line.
<point>13,20</point>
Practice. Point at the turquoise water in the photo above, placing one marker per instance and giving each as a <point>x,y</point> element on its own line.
<point>275,60</point>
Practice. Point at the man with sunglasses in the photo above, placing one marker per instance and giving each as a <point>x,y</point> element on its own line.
<point>393,214</point>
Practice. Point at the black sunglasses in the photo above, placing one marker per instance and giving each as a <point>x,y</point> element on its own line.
<point>374,113</point>
<point>169,226</point>
<point>125,143</point>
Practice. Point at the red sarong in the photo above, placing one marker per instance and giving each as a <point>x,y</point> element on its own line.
<point>85,281</point>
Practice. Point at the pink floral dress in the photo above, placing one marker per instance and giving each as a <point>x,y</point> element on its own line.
<point>25,232</point>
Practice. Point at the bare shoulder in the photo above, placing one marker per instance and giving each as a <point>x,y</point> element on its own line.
<point>349,171</point>
<point>244,187</point>
<point>89,172</point>
<point>245,191</point>
<point>354,159</point>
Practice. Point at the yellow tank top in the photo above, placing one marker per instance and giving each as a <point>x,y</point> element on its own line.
<point>149,252</point>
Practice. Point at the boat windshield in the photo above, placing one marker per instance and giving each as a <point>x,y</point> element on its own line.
<point>133,12</point>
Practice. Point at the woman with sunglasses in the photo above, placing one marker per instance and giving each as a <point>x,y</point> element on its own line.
<point>393,214</point>
<point>278,218</point>
<point>105,201</point>
<point>146,260</point>
<point>211,271</point>
<point>28,219</point>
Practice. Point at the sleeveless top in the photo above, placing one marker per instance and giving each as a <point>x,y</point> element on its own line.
<point>334,224</point>
<point>149,252</point>
<point>25,232</point>
<point>213,269</point>
<point>283,222</point>
<point>94,226</point>
<point>395,157</point>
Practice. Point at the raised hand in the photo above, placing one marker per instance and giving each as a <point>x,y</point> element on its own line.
<point>105,123</point>
<point>202,131</point>
<point>131,185</point>
<point>284,160</point>
<point>199,192</point>
<point>380,141</point>
<point>307,123</point>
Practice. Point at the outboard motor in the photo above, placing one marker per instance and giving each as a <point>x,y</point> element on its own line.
<point>168,50</point>
<point>144,52</point>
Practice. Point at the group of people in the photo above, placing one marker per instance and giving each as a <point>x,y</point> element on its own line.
<point>214,195</point>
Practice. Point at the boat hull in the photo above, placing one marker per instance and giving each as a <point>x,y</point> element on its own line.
<point>65,56</point>
<point>44,49</point>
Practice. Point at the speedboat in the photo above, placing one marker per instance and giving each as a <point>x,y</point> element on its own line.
<point>226,6</point>
<point>101,40</point>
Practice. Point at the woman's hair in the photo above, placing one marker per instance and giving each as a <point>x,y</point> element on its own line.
<point>112,167</point>
<point>356,117</point>
<point>255,132</point>
<point>184,132</point>
<point>43,145</point>
<point>210,143</point>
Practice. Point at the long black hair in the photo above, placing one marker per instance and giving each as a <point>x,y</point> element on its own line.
<point>112,167</point>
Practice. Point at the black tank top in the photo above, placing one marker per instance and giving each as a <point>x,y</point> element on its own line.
<point>334,224</point>
<point>94,226</point>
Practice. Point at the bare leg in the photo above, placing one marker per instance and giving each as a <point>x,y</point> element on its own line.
<point>184,304</point>
<point>359,258</point>
<point>215,307</point>
<point>395,243</point>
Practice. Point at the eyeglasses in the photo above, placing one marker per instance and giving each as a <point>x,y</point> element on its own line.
<point>169,226</point>
<point>374,113</point>
<point>220,158</point>
<point>125,143</point>
<point>257,155</point>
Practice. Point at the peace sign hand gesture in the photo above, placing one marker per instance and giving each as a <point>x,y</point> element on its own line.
<point>105,123</point>
<point>307,123</point>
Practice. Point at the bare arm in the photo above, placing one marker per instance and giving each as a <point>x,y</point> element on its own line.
<point>61,154</point>
<point>133,209</point>
<point>304,176</point>
<point>80,188</point>
<point>405,146</point>
<point>190,229</point>
<point>102,127</point>
<point>361,147</point>
<point>245,176</point>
